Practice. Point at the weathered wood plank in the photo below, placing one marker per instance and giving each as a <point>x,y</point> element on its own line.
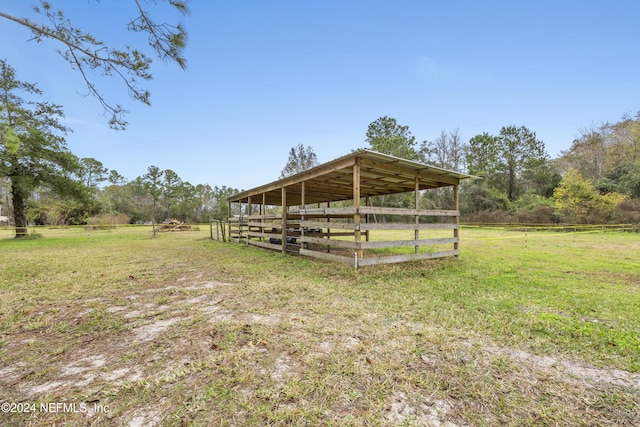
<point>323,224</point>
<point>406,211</point>
<point>265,245</point>
<point>265,235</point>
<point>401,243</point>
<point>339,234</point>
<point>264,224</point>
<point>406,226</point>
<point>268,216</point>
<point>319,217</point>
<point>327,256</point>
<point>328,211</point>
<point>405,258</point>
<point>329,242</point>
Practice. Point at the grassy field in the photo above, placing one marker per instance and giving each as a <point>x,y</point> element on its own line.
<point>116,328</point>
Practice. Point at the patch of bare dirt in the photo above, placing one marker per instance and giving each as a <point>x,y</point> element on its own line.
<point>566,370</point>
<point>417,410</point>
<point>88,364</point>
<point>151,331</point>
<point>145,418</point>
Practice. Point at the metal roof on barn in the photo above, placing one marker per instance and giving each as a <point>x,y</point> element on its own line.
<point>380,174</point>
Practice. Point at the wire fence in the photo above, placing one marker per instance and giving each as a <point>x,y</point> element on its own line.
<point>216,230</point>
<point>528,234</point>
<point>572,228</point>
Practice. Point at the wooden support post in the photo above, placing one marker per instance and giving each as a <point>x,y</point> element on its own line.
<point>416,233</point>
<point>229,216</point>
<point>284,220</point>
<point>328,229</point>
<point>263,211</point>
<point>248,215</point>
<point>240,219</point>
<point>366,219</point>
<point>456,231</point>
<point>302,217</point>
<point>356,205</point>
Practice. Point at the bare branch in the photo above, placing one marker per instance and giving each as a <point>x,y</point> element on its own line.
<point>83,51</point>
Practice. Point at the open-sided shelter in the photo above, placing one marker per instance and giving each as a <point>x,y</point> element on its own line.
<point>324,212</point>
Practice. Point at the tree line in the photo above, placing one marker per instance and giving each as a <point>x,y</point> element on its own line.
<point>597,180</point>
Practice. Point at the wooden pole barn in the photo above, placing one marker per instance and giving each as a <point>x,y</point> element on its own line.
<point>303,214</point>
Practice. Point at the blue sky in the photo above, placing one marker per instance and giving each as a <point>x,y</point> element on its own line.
<point>264,76</point>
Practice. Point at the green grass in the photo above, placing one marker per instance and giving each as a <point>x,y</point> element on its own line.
<point>180,330</point>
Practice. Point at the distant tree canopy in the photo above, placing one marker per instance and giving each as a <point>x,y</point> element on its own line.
<point>508,161</point>
<point>87,54</point>
<point>300,159</point>
<point>446,151</point>
<point>608,155</point>
<point>92,173</point>
<point>385,135</point>
<point>520,182</point>
<point>580,202</point>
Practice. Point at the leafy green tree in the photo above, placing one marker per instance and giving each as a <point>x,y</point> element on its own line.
<point>142,210</point>
<point>477,198</point>
<point>116,197</point>
<point>579,201</point>
<point>625,179</point>
<point>92,173</point>
<point>521,153</point>
<point>220,205</point>
<point>33,150</point>
<point>608,156</point>
<point>385,135</point>
<point>204,195</point>
<point>170,189</point>
<point>482,155</point>
<point>623,143</point>
<point>186,202</point>
<point>88,55</point>
<point>115,178</point>
<point>152,182</point>
<point>588,154</point>
<point>509,161</point>
<point>301,158</point>
<point>5,200</point>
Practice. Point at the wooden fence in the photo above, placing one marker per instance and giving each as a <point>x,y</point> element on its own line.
<point>345,234</point>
